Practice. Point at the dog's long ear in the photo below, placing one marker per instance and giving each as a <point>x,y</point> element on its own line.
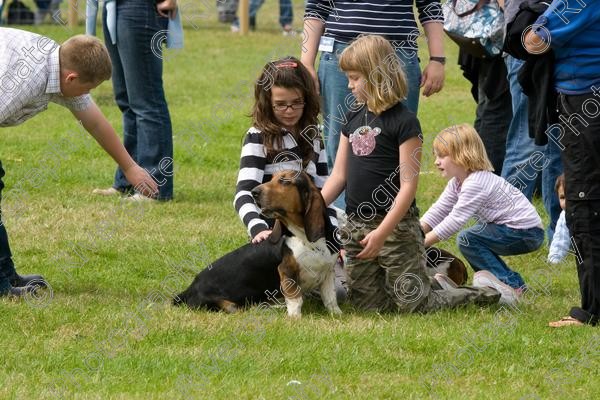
<point>276,232</point>
<point>314,214</point>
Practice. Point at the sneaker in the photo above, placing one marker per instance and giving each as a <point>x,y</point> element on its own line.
<point>445,282</point>
<point>107,192</point>
<point>509,295</point>
<point>235,28</point>
<point>139,197</point>
<point>288,30</point>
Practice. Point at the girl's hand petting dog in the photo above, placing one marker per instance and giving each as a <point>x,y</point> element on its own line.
<point>261,236</point>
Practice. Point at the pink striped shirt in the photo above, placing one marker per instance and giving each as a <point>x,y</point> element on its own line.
<point>485,196</point>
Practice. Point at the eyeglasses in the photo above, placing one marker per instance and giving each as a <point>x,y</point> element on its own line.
<point>284,107</point>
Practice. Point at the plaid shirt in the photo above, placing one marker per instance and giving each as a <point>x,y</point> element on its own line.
<point>30,77</point>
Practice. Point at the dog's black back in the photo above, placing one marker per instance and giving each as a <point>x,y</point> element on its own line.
<point>247,275</point>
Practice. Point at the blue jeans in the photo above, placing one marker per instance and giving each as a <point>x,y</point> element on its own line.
<point>482,246</point>
<point>337,97</point>
<point>549,195</point>
<point>138,86</point>
<point>286,12</point>
<point>525,160</point>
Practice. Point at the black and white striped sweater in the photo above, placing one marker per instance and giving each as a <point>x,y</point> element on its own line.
<point>256,168</point>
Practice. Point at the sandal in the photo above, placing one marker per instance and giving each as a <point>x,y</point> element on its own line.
<point>565,321</point>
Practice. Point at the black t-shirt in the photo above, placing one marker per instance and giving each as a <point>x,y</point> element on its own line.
<point>374,167</point>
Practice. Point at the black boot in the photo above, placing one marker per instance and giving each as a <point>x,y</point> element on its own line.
<point>18,281</point>
<point>19,291</point>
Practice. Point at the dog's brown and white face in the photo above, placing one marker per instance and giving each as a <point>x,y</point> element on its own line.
<point>292,198</point>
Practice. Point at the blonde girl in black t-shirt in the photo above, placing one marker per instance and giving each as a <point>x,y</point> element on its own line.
<point>378,163</point>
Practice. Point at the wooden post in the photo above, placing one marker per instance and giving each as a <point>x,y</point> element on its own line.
<point>72,12</point>
<point>244,16</point>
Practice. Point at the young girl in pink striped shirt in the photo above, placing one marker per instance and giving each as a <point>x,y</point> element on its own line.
<point>506,222</point>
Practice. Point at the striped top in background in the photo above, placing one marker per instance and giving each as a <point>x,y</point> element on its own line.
<point>394,19</point>
<point>485,196</point>
<point>256,169</point>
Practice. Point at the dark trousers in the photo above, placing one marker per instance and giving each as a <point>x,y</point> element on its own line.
<point>494,109</point>
<point>7,269</point>
<point>580,120</point>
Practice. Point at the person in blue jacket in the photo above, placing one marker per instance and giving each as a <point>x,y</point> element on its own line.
<point>572,31</point>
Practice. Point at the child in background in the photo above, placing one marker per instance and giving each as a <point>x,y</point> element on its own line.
<point>377,163</point>
<point>561,241</point>
<point>507,223</point>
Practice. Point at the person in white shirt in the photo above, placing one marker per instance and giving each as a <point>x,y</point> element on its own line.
<point>35,70</point>
<point>507,223</point>
<point>561,241</point>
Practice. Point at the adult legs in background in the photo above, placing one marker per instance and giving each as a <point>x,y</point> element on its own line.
<point>524,160</point>
<point>552,171</point>
<point>138,87</point>
<point>581,161</point>
<point>286,14</point>
<point>494,109</point>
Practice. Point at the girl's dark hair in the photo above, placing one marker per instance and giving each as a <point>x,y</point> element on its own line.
<point>288,73</point>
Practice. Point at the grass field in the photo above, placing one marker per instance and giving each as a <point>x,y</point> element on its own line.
<point>106,330</point>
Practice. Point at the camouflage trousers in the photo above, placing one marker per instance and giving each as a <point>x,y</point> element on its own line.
<point>397,280</point>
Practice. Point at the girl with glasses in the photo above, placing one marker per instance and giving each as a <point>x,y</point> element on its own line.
<point>284,136</point>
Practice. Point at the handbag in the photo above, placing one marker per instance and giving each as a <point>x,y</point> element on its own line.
<point>477,26</point>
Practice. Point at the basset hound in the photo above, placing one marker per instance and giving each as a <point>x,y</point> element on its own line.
<point>299,255</point>
<point>444,262</point>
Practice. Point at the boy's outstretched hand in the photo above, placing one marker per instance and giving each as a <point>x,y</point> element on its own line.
<point>141,180</point>
<point>98,126</point>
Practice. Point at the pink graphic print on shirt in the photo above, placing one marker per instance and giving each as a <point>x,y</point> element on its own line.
<point>363,140</point>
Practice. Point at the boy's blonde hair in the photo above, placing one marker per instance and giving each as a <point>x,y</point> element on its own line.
<point>560,183</point>
<point>87,56</point>
<point>374,58</point>
<point>464,146</point>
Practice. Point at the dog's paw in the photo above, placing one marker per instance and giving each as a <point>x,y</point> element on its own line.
<point>294,315</point>
<point>335,311</point>
<point>294,307</point>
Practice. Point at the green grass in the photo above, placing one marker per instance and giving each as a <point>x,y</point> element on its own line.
<point>107,330</point>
